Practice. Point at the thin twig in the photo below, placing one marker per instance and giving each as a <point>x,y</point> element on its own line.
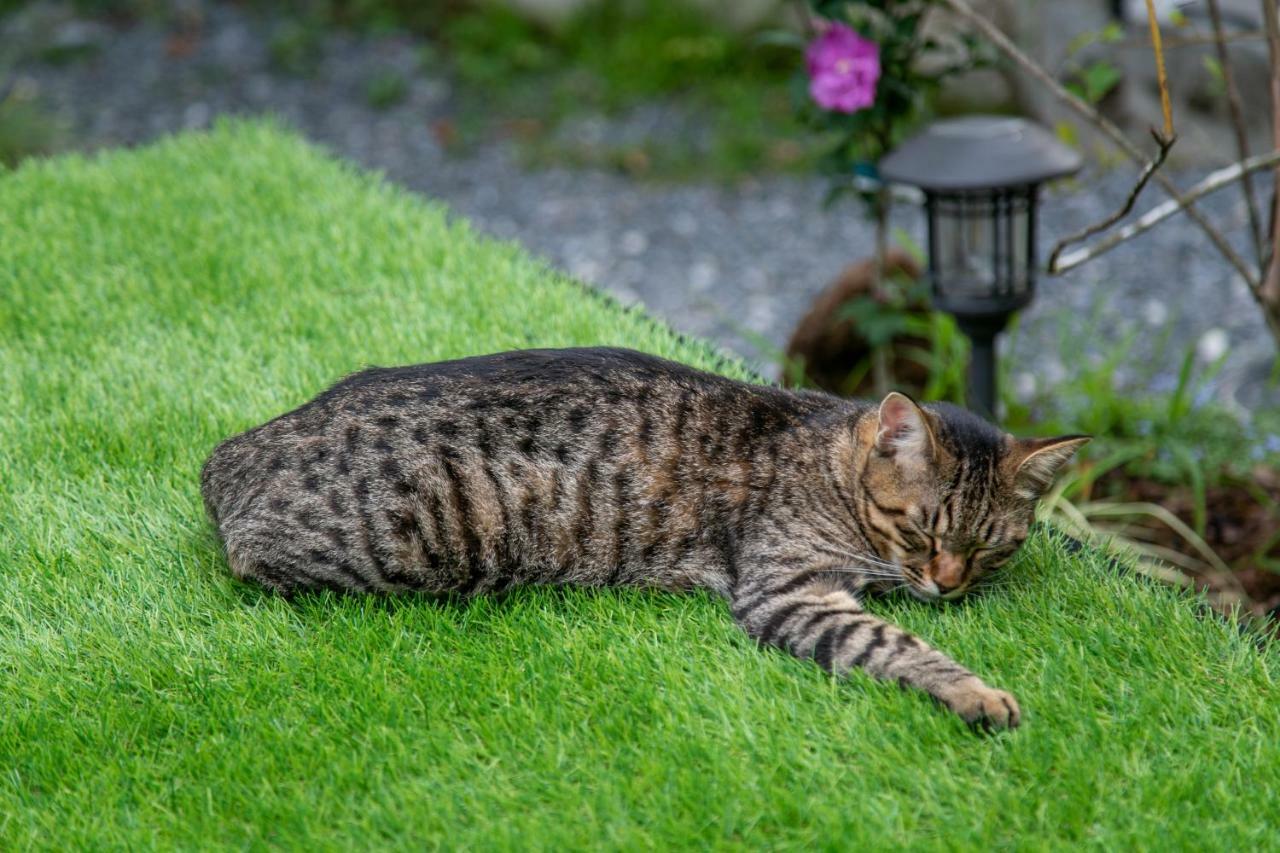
<point>1165,144</point>
<point>1269,291</point>
<point>1002,43</point>
<point>1162,78</point>
<point>880,378</point>
<point>1153,217</point>
<point>1238,124</point>
<point>1195,41</point>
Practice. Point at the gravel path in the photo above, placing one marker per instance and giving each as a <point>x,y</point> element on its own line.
<point>738,265</point>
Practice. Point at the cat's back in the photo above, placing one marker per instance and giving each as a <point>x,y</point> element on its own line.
<point>519,380</point>
<point>540,387</point>
<point>584,372</point>
<point>522,379</point>
<point>488,459</point>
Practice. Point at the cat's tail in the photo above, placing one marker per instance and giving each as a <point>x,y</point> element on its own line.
<point>208,489</point>
<point>222,479</point>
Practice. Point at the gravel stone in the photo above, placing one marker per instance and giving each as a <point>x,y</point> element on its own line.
<point>737,264</point>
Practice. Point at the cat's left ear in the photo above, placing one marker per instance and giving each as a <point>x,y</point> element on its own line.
<point>903,432</point>
<point>1038,461</point>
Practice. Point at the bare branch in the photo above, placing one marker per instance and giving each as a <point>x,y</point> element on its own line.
<point>1238,124</point>
<point>1161,76</point>
<point>1196,41</point>
<point>1153,217</point>
<point>1165,144</point>
<point>1002,43</point>
<point>1268,293</point>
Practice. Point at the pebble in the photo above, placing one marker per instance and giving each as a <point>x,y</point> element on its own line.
<point>1212,345</point>
<point>633,243</point>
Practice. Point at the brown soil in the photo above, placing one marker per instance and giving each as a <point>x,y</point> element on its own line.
<point>829,346</point>
<point>1241,527</point>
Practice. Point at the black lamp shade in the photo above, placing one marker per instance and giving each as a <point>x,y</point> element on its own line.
<point>980,176</point>
<point>982,250</point>
<point>979,153</point>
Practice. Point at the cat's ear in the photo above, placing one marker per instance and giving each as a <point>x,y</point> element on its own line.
<point>902,431</point>
<point>1038,461</point>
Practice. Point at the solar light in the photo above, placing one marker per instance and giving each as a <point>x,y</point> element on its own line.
<point>981,177</point>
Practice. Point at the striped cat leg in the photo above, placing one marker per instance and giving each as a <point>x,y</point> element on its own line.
<point>810,615</point>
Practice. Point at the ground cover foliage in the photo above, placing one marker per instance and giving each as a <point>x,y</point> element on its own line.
<point>727,99</point>
<point>717,104</point>
<point>153,302</point>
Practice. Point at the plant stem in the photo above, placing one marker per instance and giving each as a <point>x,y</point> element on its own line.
<point>1166,108</point>
<point>1268,292</point>
<point>1238,124</point>
<point>880,354</point>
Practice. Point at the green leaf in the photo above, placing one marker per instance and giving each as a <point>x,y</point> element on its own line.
<point>1099,79</point>
<point>1180,399</point>
<point>1067,133</point>
<point>1214,67</point>
<point>908,243</point>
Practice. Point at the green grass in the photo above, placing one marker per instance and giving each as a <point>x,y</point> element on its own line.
<point>153,302</point>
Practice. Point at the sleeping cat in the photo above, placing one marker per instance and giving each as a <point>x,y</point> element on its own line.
<point>605,467</point>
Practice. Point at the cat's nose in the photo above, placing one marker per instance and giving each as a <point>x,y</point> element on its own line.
<point>947,571</point>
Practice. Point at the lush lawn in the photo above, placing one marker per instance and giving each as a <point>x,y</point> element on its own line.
<point>154,302</point>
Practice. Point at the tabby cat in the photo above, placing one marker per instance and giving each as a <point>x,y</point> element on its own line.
<point>604,467</point>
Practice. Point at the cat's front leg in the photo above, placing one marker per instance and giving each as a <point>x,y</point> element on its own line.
<point>810,614</point>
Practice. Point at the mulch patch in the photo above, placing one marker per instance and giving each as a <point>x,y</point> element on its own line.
<point>1242,526</point>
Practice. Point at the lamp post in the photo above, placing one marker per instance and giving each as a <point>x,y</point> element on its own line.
<point>981,177</point>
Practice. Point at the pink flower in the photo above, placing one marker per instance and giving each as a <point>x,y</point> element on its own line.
<point>843,69</point>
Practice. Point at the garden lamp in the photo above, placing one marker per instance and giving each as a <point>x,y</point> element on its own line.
<point>981,176</point>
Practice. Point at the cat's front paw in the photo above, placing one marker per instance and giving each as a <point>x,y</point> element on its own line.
<point>983,707</point>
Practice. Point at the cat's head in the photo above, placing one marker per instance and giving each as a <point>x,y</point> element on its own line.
<point>949,497</point>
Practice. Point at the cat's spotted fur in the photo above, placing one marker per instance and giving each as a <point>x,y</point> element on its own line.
<point>609,467</point>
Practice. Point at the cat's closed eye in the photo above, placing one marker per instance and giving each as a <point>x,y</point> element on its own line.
<point>994,556</point>
<point>918,542</point>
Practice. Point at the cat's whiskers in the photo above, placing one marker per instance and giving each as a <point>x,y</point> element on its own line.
<point>874,562</point>
<point>860,556</point>
<point>865,573</point>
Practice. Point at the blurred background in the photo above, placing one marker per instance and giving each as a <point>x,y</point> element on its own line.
<point>654,147</point>
<point>664,150</point>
